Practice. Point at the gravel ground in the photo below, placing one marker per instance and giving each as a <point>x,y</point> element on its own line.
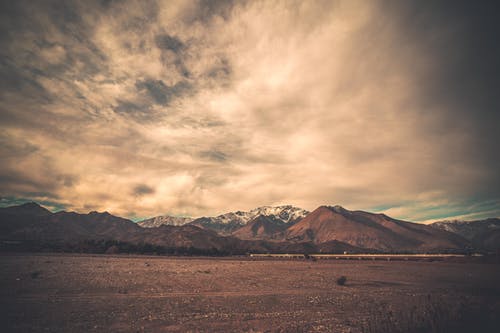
<point>84,293</point>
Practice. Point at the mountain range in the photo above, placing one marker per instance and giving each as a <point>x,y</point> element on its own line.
<point>327,229</point>
<point>227,223</point>
<point>483,234</point>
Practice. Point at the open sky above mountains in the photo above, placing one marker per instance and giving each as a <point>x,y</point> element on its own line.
<point>197,108</point>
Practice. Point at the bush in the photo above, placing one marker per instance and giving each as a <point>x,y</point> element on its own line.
<point>341,280</point>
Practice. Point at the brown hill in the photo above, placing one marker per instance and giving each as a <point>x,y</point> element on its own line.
<point>222,228</point>
<point>261,227</point>
<point>371,231</point>
<point>186,236</point>
<point>335,246</point>
<point>32,225</point>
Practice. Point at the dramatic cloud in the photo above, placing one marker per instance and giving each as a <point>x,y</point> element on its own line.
<point>200,107</point>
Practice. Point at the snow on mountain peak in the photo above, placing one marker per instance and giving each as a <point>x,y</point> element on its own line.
<point>285,213</point>
<point>164,220</point>
<point>338,209</point>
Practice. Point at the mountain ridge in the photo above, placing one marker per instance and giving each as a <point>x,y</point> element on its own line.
<point>370,230</point>
<point>481,233</point>
<point>326,229</point>
<point>230,221</point>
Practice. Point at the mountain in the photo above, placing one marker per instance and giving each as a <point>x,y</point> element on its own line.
<point>26,209</point>
<point>39,224</point>
<point>483,234</point>
<point>223,227</point>
<point>157,221</point>
<point>185,236</point>
<point>287,213</point>
<point>228,223</point>
<point>16,217</point>
<point>327,229</point>
<point>371,231</point>
<point>31,227</point>
<point>262,227</point>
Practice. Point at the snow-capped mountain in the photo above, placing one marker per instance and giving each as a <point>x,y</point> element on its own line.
<point>229,222</point>
<point>285,214</point>
<point>164,220</point>
<point>468,229</point>
<point>483,233</point>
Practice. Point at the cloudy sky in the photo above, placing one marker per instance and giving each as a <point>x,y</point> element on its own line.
<point>143,108</point>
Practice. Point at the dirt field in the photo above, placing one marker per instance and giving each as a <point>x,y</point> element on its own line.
<point>72,293</point>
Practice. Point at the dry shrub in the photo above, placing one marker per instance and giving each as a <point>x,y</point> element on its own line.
<point>341,280</point>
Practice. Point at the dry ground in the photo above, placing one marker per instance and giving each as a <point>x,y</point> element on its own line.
<point>83,293</point>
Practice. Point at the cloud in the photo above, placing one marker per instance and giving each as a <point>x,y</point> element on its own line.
<point>166,42</point>
<point>160,92</point>
<point>304,103</point>
<point>142,189</point>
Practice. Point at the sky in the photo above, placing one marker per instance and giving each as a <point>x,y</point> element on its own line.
<point>196,108</point>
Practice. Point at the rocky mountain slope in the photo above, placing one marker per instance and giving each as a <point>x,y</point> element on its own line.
<point>371,231</point>
<point>483,234</point>
<point>226,224</point>
<point>157,221</point>
<point>262,227</point>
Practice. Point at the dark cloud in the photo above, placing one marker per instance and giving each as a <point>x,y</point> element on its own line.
<point>14,78</point>
<point>214,155</point>
<point>206,10</point>
<point>221,71</point>
<point>13,18</point>
<point>39,18</point>
<point>160,92</point>
<point>182,69</point>
<point>167,42</point>
<point>142,189</point>
<point>461,38</point>
<point>135,111</point>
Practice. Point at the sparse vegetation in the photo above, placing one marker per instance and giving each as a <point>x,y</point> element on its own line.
<point>434,316</point>
<point>238,294</point>
<point>207,271</point>
<point>110,247</point>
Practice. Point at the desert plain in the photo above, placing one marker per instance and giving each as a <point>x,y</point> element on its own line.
<point>119,293</point>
